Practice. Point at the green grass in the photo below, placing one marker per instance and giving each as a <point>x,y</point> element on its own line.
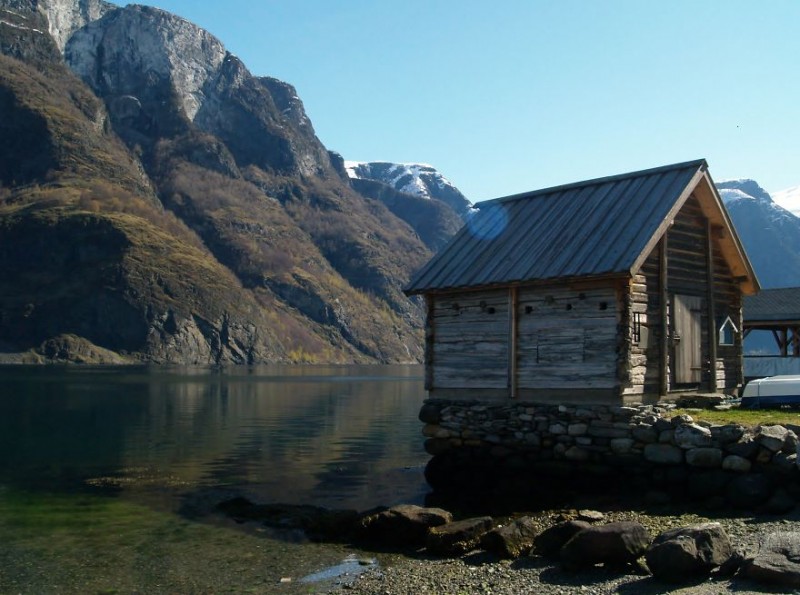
<point>745,417</point>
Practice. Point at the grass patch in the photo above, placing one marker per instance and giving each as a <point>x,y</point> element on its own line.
<point>745,417</point>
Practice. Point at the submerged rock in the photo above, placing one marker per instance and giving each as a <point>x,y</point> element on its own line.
<point>402,525</point>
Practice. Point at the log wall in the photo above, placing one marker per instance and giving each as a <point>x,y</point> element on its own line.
<point>568,337</point>
<point>687,274</point>
<point>470,341</point>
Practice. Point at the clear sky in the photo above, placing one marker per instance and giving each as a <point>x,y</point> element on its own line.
<point>506,96</point>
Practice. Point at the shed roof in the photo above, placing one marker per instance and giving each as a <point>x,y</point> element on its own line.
<point>772,305</point>
<point>596,228</point>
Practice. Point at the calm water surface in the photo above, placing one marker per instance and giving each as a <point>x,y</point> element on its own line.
<point>335,436</point>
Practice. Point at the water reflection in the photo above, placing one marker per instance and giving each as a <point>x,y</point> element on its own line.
<point>340,436</point>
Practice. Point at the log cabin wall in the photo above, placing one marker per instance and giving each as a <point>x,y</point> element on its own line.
<point>468,344</point>
<point>728,302</point>
<point>641,377</point>
<point>568,341</point>
<point>687,274</point>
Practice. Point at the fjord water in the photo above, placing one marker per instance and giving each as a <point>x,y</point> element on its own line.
<point>334,436</point>
<point>97,466</point>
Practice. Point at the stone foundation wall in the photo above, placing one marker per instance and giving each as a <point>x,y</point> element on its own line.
<point>640,449</point>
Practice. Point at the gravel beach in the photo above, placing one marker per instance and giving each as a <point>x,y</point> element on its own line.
<point>479,572</point>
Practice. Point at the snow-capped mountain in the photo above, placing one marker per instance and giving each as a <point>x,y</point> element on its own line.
<point>789,199</point>
<point>769,232</point>
<point>412,178</point>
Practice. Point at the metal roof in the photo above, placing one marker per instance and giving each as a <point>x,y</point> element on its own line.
<point>772,305</point>
<point>594,228</point>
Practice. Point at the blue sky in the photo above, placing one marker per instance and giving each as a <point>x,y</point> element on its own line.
<point>513,95</point>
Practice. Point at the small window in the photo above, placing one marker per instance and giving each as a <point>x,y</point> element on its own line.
<point>727,332</point>
<point>639,328</point>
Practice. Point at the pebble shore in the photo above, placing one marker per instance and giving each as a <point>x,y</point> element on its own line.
<point>481,573</point>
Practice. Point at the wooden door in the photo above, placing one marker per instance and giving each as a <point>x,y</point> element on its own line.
<point>687,338</point>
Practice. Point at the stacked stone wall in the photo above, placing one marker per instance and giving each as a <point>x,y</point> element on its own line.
<point>642,450</point>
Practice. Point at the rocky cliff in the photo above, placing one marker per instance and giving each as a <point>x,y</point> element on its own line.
<point>160,203</point>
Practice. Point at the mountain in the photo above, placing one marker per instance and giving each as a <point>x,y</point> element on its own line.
<point>412,178</point>
<point>770,234</point>
<point>160,203</point>
<point>789,199</point>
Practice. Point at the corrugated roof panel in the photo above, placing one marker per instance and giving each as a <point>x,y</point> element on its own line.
<point>772,305</point>
<point>585,229</point>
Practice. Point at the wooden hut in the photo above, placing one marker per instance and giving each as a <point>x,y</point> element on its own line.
<point>610,290</point>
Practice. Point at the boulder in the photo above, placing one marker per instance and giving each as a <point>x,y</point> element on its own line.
<point>746,447</point>
<point>682,419</point>
<point>317,523</point>
<point>728,433</point>
<point>688,553</point>
<point>576,453</point>
<point>778,560</point>
<point>403,525</point>
<point>621,445</point>
<point>772,437</point>
<point>615,544</point>
<point>430,413</point>
<point>663,454</point>
<point>706,457</point>
<point>550,541</point>
<point>736,464</point>
<point>692,436</point>
<point>783,463</point>
<point>511,540</point>
<point>459,537</point>
<point>645,433</point>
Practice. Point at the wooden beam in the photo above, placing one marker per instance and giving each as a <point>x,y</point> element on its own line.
<point>513,340</point>
<point>712,315</point>
<point>430,336</point>
<point>663,364</point>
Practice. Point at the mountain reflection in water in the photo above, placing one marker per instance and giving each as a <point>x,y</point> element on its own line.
<point>334,436</point>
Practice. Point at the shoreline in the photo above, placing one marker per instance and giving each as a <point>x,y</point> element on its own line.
<point>481,572</point>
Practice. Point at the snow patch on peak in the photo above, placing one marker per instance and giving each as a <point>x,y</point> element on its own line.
<point>418,179</point>
<point>734,194</point>
<point>746,186</point>
<point>411,178</point>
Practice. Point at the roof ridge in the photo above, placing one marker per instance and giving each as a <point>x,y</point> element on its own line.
<point>596,181</point>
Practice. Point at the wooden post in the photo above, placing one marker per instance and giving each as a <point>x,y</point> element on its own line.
<point>712,315</point>
<point>429,340</point>
<point>513,340</point>
<point>663,363</point>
